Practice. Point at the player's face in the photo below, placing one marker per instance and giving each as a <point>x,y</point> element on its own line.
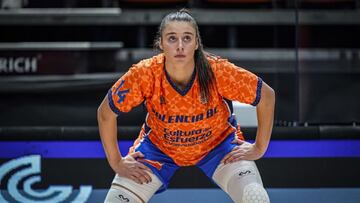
<point>179,42</point>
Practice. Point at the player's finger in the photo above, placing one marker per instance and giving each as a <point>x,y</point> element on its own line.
<point>136,179</point>
<point>137,154</point>
<point>143,167</point>
<point>237,141</point>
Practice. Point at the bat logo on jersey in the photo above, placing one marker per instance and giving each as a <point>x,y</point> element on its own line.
<point>122,93</point>
<point>162,99</point>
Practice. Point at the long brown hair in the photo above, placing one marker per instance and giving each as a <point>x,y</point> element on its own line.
<point>202,66</point>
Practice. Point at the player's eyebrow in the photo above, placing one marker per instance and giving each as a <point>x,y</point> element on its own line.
<point>189,33</point>
<point>172,33</point>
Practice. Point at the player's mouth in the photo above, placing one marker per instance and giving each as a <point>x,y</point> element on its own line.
<point>179,56</point>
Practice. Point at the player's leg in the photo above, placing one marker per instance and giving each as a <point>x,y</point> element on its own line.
<point>241,181</point>
<point>126,190</point>
<point>162,168</point>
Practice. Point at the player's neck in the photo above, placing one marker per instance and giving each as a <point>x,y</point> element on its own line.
<point>180,74</point>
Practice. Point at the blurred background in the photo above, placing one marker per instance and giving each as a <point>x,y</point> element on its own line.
<point>58,59</point>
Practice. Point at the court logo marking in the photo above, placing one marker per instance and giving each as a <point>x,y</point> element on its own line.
<point>26,170</point>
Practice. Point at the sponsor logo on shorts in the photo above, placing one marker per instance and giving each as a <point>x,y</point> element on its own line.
<point>122,198</point>
<point>155,164</point>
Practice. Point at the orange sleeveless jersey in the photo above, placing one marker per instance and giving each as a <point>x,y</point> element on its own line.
<point>178,123</point>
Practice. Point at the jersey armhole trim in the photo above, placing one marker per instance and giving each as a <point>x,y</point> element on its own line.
<point>258,92</point>
<point>112,105</point>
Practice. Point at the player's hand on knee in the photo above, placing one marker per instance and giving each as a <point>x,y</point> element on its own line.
<point>245,151</point>
<point>238,141</point>
<point>130,168</point>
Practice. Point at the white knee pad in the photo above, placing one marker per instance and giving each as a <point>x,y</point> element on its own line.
<point>241,181</point>
<point>126,190</point>
<point>254,193</point>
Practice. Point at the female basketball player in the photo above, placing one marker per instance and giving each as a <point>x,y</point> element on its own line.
<point>186,93</point>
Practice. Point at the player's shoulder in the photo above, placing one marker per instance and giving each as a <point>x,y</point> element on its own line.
<point>151,64</point>
<point>217,62</point>
<point>147,68</point>
<point>213,58</point>
<point>144,73</point>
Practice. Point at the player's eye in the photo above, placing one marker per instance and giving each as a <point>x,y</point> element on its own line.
<point>171,38</point>
<point>187,38</point>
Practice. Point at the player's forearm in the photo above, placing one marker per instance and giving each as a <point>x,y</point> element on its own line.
<point>108,133</point>
<point>265,116</point>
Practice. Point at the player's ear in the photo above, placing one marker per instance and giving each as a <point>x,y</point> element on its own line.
<point>197,45</point>
<point>160,44</point>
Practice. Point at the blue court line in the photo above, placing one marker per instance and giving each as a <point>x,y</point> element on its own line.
<point>313,148</point>
<point>94,149</point>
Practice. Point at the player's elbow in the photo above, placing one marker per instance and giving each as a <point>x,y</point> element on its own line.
<point>101,115</point>
<point>268,95</point>
<point>104,112</point>
<point>271,94</point>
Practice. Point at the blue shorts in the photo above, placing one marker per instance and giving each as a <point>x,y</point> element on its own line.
<point>164,167</point>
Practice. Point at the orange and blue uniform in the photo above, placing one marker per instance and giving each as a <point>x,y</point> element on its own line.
<point>179,129</point>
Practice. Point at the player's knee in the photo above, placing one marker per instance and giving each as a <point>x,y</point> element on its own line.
<point>126,190</point>
<point>247,190</point>
<point>254,193</point>
<point>242,182</point>
<point>119,194</point>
